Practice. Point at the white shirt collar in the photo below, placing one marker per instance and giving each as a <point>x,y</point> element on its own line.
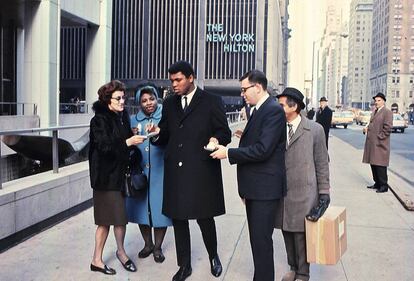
<point>261,101</point>
<point>295,123</point>
<point>189,96</point>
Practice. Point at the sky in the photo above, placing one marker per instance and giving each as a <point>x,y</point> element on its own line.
<point>307,21</point>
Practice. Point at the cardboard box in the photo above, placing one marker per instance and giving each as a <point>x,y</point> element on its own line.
<point>326,238</point>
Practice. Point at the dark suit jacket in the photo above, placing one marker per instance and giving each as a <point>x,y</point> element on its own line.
<point>260,158</point>
<point>193,186</point>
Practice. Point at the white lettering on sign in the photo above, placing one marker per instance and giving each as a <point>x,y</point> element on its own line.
<point>232,43</point>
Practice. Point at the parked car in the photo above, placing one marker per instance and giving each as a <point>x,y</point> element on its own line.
<point>363,117</point>
<point>399,123</point>
<point>342,118</point>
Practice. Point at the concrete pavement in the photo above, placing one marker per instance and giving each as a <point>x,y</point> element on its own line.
<point>380,238</point>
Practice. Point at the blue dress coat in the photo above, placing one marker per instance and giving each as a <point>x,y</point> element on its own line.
<point>146,209</point>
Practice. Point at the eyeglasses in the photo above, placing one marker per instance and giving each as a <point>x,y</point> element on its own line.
<point>244,89</point>
<point>119,98</point>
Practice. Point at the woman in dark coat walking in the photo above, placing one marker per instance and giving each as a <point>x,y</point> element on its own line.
<point>111,140</point>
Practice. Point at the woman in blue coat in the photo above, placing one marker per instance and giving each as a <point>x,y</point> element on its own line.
<point>146,209</point>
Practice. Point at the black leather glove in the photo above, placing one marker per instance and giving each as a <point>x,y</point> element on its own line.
<point>317,211</point>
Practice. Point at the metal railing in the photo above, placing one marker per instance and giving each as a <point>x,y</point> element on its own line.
<point>54,130</point>
<point>70,107</point>
<point>234,117</point>
<point>18,108</point>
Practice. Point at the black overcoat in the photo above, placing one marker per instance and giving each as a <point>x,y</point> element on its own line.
<point>193,185</point>
<point>108,152</point>
<point>324,117</point>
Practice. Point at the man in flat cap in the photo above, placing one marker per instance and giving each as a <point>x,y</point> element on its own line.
<point>377,143</point>
<point>324,117</point>
<point>307,175</point>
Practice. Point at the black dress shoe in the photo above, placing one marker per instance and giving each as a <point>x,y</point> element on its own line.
<point>129,265</point>
<point>182,273</point>
<point>372,186</point>
<point>158,256</point>
<point>105,270</point>
<point>216,267</point>
<point>145,252</point>
<point>382,189</point>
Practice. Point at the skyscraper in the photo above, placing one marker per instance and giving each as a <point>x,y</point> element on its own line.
<point>359,54</point>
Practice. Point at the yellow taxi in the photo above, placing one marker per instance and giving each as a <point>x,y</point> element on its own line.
<point>342,118</point>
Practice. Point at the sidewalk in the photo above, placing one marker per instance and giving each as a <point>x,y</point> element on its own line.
<point>380,239</point>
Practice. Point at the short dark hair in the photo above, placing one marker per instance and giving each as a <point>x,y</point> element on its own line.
<point>255,76</point>
<point>292,102</point>
<point>105,92</point>
<point>181,66</point>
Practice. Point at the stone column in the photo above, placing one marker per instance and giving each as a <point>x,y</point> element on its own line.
<point>41,58</point>
<point>98,53</point>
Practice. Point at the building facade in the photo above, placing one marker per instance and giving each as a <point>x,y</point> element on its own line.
<point>359,54</point>
<point>221,39</point>
<point>392,59</point>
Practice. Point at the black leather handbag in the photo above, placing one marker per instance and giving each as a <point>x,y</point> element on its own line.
<point>135,179</point>
<point>135,182</point>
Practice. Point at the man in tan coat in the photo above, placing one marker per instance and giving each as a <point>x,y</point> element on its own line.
<point>307,174</point>
<point>377,143</point>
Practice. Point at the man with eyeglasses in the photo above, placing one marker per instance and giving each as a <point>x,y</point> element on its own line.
<point>261,173</point>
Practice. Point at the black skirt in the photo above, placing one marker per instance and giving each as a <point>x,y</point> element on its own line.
<point>109,208</point>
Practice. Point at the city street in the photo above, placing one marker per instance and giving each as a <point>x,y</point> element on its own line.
<point>402,148</point>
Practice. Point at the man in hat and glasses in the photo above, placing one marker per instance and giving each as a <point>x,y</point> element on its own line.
<point>377,143</point>
<point>307,194</point>
<point>324,117</point>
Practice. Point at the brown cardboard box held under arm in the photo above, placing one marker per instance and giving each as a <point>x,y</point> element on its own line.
<point>326,238</point>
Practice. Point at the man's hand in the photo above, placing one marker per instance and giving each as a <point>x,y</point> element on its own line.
<point>319,209</point>
<point>220,153</point>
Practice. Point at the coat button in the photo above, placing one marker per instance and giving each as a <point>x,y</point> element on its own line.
<point>147,148</point>
<point>181,126</point>
<point>180,164</point>
<point>180,145</point>
<point>147,166</point>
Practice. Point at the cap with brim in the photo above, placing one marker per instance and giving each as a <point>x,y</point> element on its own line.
<point>380,95</point>
<point>294,94</point>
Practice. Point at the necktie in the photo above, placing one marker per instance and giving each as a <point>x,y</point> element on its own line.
<point>290,133</point>
<point>254,111</point>
<point>185,104</point>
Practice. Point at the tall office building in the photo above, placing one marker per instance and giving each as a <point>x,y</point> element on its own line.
<point>392,59</point>
<point>332,55</point>
<point>359,54</point>
<point>221,39</point>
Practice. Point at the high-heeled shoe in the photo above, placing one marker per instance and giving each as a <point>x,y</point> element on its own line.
<point>105,270</point>
<point>129,265</point>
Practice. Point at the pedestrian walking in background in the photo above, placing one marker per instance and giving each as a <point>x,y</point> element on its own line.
<point>324,117</point>
<point>261,174</point>
<point>377,143</point>
<point>310,114</point>
<point>146,209</point>
<point>111,140</point>
<point>193,183</point>
<point>307,175</point>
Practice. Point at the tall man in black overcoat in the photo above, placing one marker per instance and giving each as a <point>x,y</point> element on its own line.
<point>324,117</point>
<point>193,185</point>
<point>261,173</point>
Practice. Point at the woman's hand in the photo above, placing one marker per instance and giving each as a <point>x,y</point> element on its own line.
<point>135,140</point>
